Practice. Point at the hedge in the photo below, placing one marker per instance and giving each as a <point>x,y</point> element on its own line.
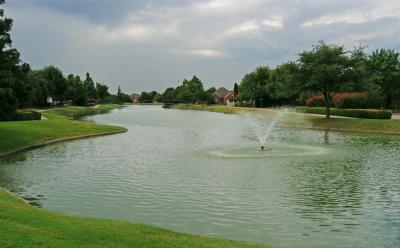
<point>28,115</point>
<point>355,113</point>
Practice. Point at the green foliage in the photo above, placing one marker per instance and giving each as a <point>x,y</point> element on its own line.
<point>284,83</point>
<point>9,60</point>
<point>90,87</point>
<point>102,91</point>
<point>325,69</point>
<point>157,98</point>
<point>148,97</point>
<point>58,84</point>
<point>8,104</point>
<point>253,86</point>
<point>385,68</point>
<point>168,96</point>
<point>27,116</point>
<point>355,113</point>
<point>77,92</point>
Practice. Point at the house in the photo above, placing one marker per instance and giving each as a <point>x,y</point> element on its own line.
<point>135,98</point>
<point>229,99</point>
<point>49,100</point>
<point>219,95</point>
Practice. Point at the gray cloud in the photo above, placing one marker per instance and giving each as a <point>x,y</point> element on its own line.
<point>144,45</point>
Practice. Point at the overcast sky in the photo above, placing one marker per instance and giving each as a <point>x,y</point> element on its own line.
<point>145,45</point>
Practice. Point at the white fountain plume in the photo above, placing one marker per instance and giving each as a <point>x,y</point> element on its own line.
<point>263,126</point>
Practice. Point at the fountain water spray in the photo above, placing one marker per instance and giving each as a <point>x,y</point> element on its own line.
<point>260,128</point>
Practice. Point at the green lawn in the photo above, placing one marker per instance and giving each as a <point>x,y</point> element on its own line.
<point>17,134</point>
<point>22,225</point>
<point>299,120</point>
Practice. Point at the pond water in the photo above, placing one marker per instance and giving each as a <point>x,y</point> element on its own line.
<point>202,173</point>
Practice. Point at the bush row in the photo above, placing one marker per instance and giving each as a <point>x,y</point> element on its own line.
<point>345,100</point>
<point>355,113</point>
<point>27,115</point>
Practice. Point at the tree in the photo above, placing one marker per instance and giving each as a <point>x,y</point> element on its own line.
<point>385,68</point>
<point>253,86</point>
<point>283,83</point>
<point>236,89</point>
<point>157,98</point>
<point>195,87</point>
<point>58,84</point>
<point>77,91</point>
<point>182,93</point>
<point>324,69</point>
<point>90,87</point>
<point>168,96</point>
<point>102,91</point>
<point>9,60</point>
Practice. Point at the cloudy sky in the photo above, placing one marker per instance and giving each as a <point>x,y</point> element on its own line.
<point>145,45</point>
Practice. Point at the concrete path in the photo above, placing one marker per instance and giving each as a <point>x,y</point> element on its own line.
<point>396,116</point>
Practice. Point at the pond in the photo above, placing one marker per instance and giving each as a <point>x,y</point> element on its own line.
<point>202,173</point>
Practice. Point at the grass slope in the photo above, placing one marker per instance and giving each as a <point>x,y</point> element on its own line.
<point>18,134</point>
<point>22,225</point>
<point>300,120</point>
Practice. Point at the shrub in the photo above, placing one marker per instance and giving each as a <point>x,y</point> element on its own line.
<point>27,116</point>
<point>315,101</point>
<point>355,113</point>
<point>351,100</point>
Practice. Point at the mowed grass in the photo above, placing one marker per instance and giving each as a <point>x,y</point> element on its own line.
<point>60,124</point>
<point>22,225</point>
<point>312,121</point>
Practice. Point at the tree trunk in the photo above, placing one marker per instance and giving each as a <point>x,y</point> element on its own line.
<point>327,105</point>
<point>388,104</point>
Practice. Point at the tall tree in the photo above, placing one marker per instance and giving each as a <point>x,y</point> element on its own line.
<point>236,89</point>
<point>253,86</point>
<point>9,60</point>
<point>195,87</point>
<point>77,91</point>
<point>385,67</point>
<point>283,83</point>
<point>90,87</point>
<point>102,91</point>
<point>168,96</point>
<point>55,77</point>
<point>324,69</point>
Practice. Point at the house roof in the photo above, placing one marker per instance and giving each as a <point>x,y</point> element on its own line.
<point>230,95</point>
<point>221,92</point>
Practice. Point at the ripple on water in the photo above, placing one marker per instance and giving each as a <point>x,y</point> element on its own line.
<point>271,150</point>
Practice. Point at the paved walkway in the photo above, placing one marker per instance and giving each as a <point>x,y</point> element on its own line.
<point>396,116</point>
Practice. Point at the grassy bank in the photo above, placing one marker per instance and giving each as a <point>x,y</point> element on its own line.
<point>22,225</point>
<point>299,120</point>
<point>59,124</point>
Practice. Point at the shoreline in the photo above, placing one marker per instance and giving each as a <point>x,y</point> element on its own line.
<point>308,121</point>
<point>60,140</point>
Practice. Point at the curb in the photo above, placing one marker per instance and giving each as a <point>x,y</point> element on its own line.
<point>50,142</point>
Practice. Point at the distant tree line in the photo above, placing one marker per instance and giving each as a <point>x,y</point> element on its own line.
<point>326,70</point>
<point>23,87</point>
<point>190,91</point>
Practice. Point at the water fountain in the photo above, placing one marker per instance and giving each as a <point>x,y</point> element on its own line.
<point>263,125</point>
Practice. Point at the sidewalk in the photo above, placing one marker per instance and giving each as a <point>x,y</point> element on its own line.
<point>396,116</point>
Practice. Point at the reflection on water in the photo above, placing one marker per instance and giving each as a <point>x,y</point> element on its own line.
<point>203,173</point>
